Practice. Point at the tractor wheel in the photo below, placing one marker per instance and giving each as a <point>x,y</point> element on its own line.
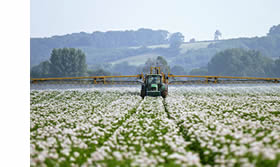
<point>143,93</point>
<point>165,92</point>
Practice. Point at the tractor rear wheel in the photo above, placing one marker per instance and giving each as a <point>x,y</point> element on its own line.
<point>143,93</point>
<point>165,92</point>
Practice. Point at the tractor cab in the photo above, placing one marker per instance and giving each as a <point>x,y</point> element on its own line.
<point>153,85</point>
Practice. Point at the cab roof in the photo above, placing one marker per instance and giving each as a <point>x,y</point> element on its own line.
<point>154,75</point>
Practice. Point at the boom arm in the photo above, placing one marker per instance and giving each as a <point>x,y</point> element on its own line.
<point>221,79</point>
<point>167,79</point>
<point>95,79</point>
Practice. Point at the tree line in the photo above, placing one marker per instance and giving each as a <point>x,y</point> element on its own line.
<point>64,62</point>
<point>109,39</point>
<point>259,56</point>
<point>71,62</point>
<point>240,62</point>
<point>268,45</point>
<point>40,48</point>
<point>103,47</point>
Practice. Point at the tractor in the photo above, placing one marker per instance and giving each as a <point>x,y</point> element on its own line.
<point>154,84</point>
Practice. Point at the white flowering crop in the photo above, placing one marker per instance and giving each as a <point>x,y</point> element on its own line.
<point>193,126</point>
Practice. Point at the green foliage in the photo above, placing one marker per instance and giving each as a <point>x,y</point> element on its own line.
<point>112,46</point>
<point>158,62</point>
<point>176,40</point>
<point>105,55</point>
<point>198,71</point>
<point>41,70</point>
<point>268,45</point>
<point>192,40</point>
<point>194,58</point>
<point>124,68</point>
<point>217,35</point>
<point>276,68</point>
<point>63,63</point>
<point>42,47</point>
<point>178,70</point>
<point>68,62</point>
<point>239,62</point>
<point>274,31</point>
<point>168,52</point>
<point>99,72</point>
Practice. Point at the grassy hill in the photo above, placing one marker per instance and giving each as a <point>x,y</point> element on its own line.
<point>140,59</point>
<point>137,59</point>
<point>119,47</point>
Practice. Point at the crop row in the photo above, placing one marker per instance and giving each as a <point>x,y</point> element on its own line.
<point>67,126</point>
<point>193,126</point>
<point>230,127</point>
<point>147,138</point>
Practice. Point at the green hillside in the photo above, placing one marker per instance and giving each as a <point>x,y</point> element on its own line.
<point>137,59</point>
<point>135,47</point>
<point>194,46</point>
<point>140,59</point>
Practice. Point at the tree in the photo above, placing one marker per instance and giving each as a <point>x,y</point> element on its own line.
<point>149,63</point>
<point>239,62</point>
<point>192,40</point>
<point>178,70</point>
<point>198,71</point>
<point>162,63</point>
<point>41,70</point>
<point>158,62</point>
<point>276,69</point>
<point>68,62</point>
<point>150,37</point>
<point>217,35</point>
<point>124,68</point>
<point>176,39</point>
<point>99,72</point>
<point>274,31</point>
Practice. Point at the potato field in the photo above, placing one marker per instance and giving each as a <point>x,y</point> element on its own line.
<point>194,126</point>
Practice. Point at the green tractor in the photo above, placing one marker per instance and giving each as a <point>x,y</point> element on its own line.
<point>154,84</point>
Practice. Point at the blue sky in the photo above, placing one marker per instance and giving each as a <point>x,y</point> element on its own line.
<point>194,18</point>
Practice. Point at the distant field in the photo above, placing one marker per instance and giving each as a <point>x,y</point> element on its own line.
<point>141,59</point>
<point>184,47</point>
<point>136,60</point>
<point>152,46</point>
<point>198,45</point>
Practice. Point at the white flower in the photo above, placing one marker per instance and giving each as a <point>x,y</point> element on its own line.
<point>76,154</point>
<point>118,155</point>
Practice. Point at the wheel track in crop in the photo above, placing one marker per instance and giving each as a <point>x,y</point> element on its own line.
<point>113,130</point>
<point>149,133</point>
<point>120,123</point>
<point>195,145</point>
<point>127,116</point>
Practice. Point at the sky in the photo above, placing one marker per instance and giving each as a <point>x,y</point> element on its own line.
<point>197,19</point>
